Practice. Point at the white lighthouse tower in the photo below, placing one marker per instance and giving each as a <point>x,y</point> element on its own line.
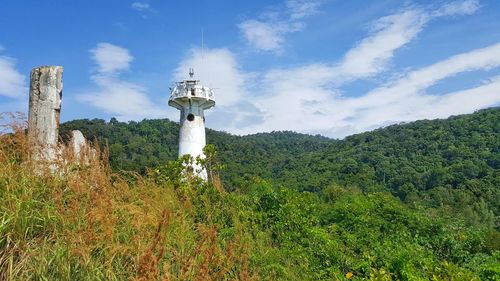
<point>192,99</point>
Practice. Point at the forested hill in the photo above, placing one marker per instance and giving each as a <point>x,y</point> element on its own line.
<point>134,146</point>
<point>452,163</point>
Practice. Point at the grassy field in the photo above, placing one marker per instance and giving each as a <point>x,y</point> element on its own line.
<point>86,223</point>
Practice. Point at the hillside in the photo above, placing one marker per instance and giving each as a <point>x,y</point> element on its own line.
<point>134,146</point>
<point>452,163</point>
<point>88,223</point>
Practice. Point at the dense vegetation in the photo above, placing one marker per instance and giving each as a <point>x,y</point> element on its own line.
<point>450,164</point>
<point>88,223</point>
<point>415,201</point>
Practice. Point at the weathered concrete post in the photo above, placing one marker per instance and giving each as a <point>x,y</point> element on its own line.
<point>44,112</point>
<point>78,145</point>
<point>81,149</point>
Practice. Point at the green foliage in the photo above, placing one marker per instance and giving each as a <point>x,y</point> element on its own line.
<point>91,224</point>
<point>417,201</point>
<point>369,235</point>
<point>450,164</point>
<point>171,172</point>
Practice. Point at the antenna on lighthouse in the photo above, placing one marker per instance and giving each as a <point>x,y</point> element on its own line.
<point>202,66</point>
<point>191,72</point>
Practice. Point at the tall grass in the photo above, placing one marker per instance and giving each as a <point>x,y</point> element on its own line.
<point>88,223</point>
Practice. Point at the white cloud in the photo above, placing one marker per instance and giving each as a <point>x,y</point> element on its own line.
<point>367,58</point>
<point>464,101</point>
<point>291,103</point>
<point>371,55</point>
<point>140,6</point>
<point>262,35</point>
<point>414,106</point>
<point>466,7</point>
<point>111,58</point>
<point>406,100</point>
<point>215,68</point>
<point>415,81</point>
<point>307,98</point>
<point>125,100</point>
<point>268,34</point>
<point>12,82</point>
<point>299,9</point>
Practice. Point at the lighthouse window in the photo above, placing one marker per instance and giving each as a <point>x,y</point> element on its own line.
<point>192,91</point>
<point>190,117</point>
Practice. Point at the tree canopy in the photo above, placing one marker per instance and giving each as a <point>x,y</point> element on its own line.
<point>451,163</point>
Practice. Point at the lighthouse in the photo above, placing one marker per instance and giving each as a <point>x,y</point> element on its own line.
<point>192,99</point>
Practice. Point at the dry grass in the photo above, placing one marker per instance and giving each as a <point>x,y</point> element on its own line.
<point>84,222</point>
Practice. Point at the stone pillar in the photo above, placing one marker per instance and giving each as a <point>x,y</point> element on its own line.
<point>81,150</point>
<point>44,112</point>
<point>78,145</point>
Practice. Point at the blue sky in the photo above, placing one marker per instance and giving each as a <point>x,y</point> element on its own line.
<point>321,66</point>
